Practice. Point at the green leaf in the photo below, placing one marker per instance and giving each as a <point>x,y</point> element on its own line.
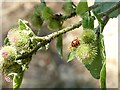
<point>39,9</point>
<point>6,42</point>
<point>54,24</point>
<point>106,7</point>
<point>71,56</point>
<point>59,45</point>
<point>36,21</point>
<point>22,25</point>
<point>98,18</point>
<point>115,13</point>
<point>17,80</point>
<point>68,7</point>
<point>47,13</point>
<point>103,77</point>
<point>82,7</point>
<point>88,21</point>
<point>96,66</point>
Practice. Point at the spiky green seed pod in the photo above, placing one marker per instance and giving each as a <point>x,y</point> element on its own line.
<point>88,36</point>
<point>19,39</point>
<point>7,56</point>
<point>86,53</point>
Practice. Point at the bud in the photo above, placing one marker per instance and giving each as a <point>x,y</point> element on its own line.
<point>86,53</point>
<point>7,55</point>
<point>88,36</point>
<point>19,39</point>
<point>8,62</point>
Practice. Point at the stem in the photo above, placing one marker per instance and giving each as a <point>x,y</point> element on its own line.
<point>24,56</point>
<point>105,20</point>
<point>103,77</point>
<point>39,39</point>
<point>58,33</point>
<point>17,80</point>
<point>100,30</point>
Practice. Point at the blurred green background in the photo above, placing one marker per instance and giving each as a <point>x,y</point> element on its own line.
<point>47,69</point>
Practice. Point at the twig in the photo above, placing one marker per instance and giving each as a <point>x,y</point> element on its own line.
<point>47,39</point>
<point>58,33</point>
<point>26,55</point>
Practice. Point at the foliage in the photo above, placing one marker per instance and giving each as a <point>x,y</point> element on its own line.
<point>103,8</point>
<point>68,7</point>
<point>82,7</point>
<point>21,43</point>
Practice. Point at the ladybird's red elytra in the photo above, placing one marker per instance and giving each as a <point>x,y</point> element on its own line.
<point>75,43</point>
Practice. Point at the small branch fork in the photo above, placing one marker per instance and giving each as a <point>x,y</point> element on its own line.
<point>47,39</point>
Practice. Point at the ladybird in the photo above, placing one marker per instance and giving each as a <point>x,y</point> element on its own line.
<point>75,43</point>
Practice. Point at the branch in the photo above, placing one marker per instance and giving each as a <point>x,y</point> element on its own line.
<point>58,33</point>
<point>26,55</point>
<point>47,39</point>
